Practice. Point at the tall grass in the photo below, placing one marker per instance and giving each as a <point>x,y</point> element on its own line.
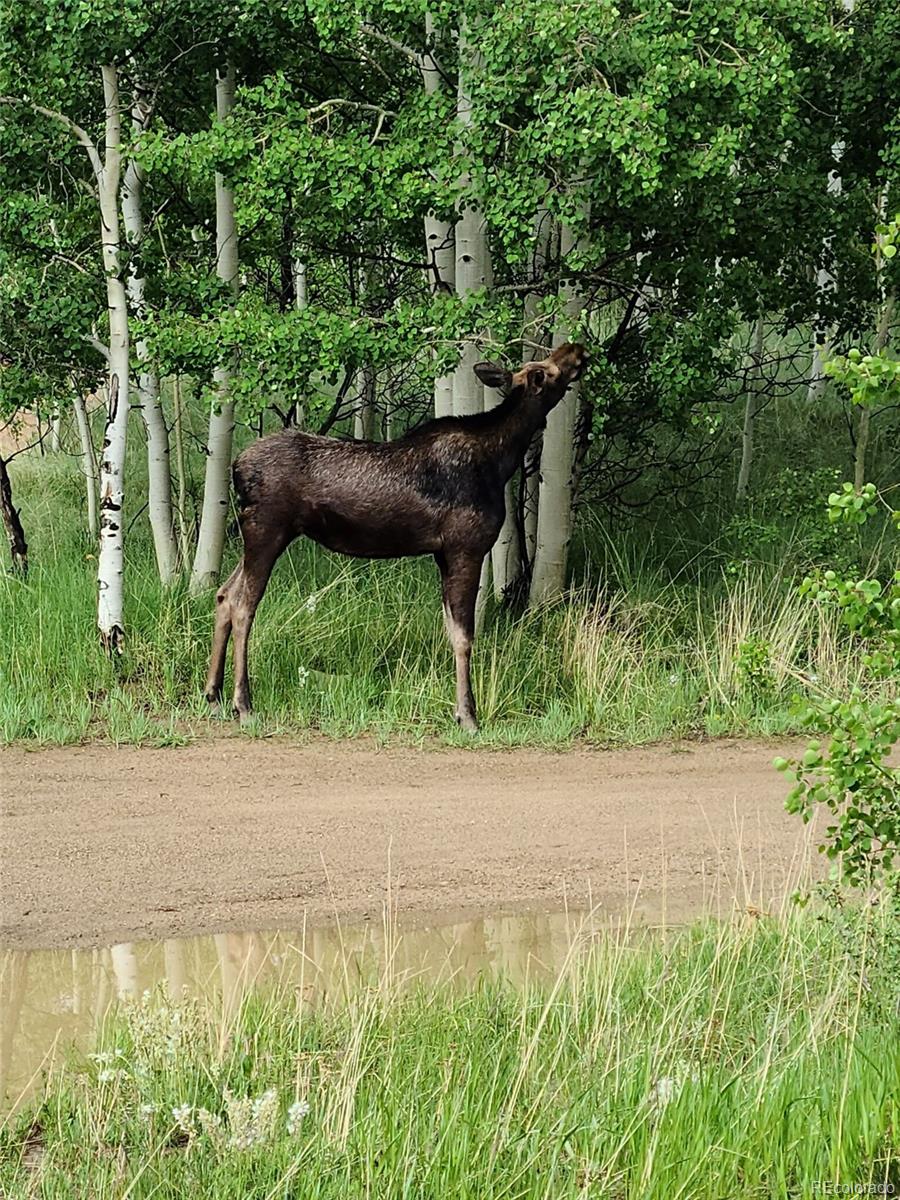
<point>347,647</point>
<point>756,1058</point>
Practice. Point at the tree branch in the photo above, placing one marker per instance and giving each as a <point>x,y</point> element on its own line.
<point>327,105</point>
<point>101,347</point>
<point>80,134</point>
<point>425,61</point>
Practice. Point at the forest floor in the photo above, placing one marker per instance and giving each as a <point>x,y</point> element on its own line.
<point>103,844</point>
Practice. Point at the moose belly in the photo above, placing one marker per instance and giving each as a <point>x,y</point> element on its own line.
<point>387,534</point>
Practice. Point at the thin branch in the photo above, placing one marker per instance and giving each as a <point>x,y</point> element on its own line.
<point>327,105</point>
<point>100,347</point>
<point>407,51</point>
<point>335,410</point>
<point>420,59</point>
<point>80,134</point>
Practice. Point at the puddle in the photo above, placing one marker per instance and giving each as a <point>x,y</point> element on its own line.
<point>51,1000</point>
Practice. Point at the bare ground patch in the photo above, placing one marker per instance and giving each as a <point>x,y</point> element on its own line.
<point>103,844</point>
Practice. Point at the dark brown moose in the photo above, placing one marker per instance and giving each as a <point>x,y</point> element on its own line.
<point>438,490</point>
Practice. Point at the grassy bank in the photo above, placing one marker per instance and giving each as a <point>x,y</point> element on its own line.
<point>748,1059</point>
<point>654,650</point>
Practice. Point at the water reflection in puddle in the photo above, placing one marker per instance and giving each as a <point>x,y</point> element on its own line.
<point>52,999</point>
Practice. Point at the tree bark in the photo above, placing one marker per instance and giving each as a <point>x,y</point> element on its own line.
<point>211,539</point>
<point>751,408</point>
<point>111,555</point>
<point>158,472</point>
<point>180,469</point>
<point>862,447</point>
<point>439,245</point>
<point>298,272</point>
<point>18,547</point>
<point>522,497</point>
<point>863,427</point>
<point>824,281</point>
<point>472,272</point>
<point>365,417</point>
<point>554,523</point>
<point>88,461</point>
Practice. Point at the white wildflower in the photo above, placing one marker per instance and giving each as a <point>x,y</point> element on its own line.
<point>109,1075</point>
<point>668,1087</point>
<point>295,1115</point>
<point>302,676</point>
<point>673,679</point>
<point>102,1058</point>
<point>311,603</point>
<point>181,1115</point>
<point>146,1111</point>
<point>251,1122</point>
<point>211,1125</point>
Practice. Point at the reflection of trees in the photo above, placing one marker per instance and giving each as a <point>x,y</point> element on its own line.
<point>174,967</point>
<point>51,998</point>
<point>13,982</point>
<point>125,969</point>
<point>241,957</point>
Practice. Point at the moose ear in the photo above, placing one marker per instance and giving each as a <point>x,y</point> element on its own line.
<point>493,375</point>
<point>536,377</point>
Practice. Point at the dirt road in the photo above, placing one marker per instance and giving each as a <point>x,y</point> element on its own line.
<point>102,844</point>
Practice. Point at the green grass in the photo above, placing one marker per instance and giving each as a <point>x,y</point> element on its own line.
<point>744,1059</point>
<point>350,647</point>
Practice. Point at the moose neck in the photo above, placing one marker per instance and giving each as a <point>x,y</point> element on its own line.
<point>515,423</point>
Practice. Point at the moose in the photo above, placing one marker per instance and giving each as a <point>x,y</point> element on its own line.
<point>438,490</point>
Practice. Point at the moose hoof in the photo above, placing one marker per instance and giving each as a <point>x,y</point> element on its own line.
<point>467,722</point>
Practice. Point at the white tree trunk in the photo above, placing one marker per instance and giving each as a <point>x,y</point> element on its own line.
<point>180,469</point>
<point>439,247</point>
<point>507,562</point>
<point>365,417</point>
<point>158,473</point>
<point>865,413</point>
<point>751,407</point>
<point>56,432</point>
<point>298,274</point>
<point>824,279</point>
<point>298,271</point>
<point>110,564</point>
<point>532,469</point>
<point>211,539</point>
<point>88,461</point>
<point>472,272</point>
<point>554,523</point>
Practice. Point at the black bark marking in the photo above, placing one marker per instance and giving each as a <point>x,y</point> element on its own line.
<point>113,400</point>
<point>15,533</point>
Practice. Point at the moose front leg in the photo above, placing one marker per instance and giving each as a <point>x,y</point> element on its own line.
<point>215,678</point>
<point>460,577</point>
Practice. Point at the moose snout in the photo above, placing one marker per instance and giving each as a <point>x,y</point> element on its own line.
<point>580,359</point>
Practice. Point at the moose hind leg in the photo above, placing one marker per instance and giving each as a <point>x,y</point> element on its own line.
<point>215,677</point>
<point>261,551</point>
<point>460,580</point>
